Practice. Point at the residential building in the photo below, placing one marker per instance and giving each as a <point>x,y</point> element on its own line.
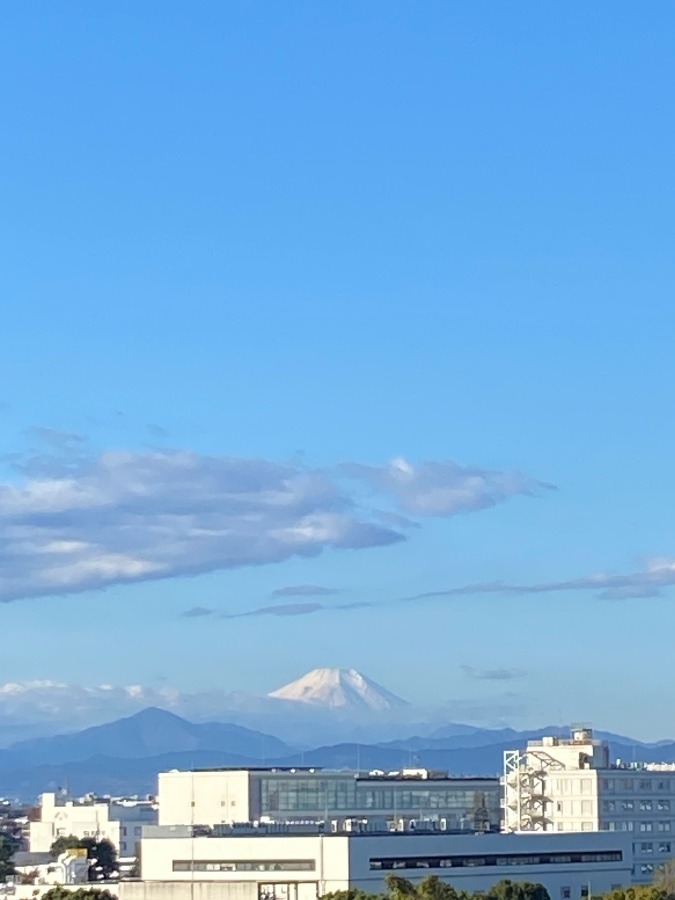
<point>303,863</point>
<point>570,785</point>
<point>118,820</point>
<point>221,796</point>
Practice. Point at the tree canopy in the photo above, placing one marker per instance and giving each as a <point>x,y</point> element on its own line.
<point>61,893</point>
<point>432,888</point>
<point>6,858</point>
<point>102,855</point>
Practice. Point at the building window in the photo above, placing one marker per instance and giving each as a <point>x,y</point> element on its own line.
<point>565,893</point>
<point>257,865</point>
<point>627,784</point>
<point>628,804</point>
<point>645,805</point>
<point>609,805</point>
<point>661,785</point>
<point>646,847</point>
<point>663,805</point>
<point>587,807</point>
<point>664,847</point>
<point>587,826</point>
<point>608,784</point>
<point>663,826</point>
<point>513,859</point>
<point>646,784</point>
<point>647,869</point>
<point>646,826</point>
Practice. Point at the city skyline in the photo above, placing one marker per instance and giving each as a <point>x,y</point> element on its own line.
<point>340,337</point>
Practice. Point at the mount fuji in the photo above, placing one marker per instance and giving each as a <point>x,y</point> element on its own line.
<point>343,689</point>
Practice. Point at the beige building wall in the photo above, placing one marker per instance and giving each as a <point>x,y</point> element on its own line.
<point>203,798</point>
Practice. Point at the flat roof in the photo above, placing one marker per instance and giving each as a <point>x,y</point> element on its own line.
<point>357,775</point>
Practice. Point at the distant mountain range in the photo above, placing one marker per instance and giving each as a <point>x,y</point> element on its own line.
<point>124,756</point>
<point>330,718</point>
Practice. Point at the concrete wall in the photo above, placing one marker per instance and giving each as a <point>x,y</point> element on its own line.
<point>176,890</point>
<point>329,857</point>
<point>339,861</point>
<point>203,798</point>
<point>576,877</point>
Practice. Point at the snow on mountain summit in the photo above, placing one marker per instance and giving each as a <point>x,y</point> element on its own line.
<point>339,689</point>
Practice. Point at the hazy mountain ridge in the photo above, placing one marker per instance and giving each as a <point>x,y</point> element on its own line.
<point>122,756</point>
<point>336,718</point>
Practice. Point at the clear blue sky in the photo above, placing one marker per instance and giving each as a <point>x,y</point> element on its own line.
<point>319,234</point>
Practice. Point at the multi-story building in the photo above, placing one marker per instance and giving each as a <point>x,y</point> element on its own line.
<point>119,821</point>
<point>570,785</point>
<point>304,862</point>
<point>220,796</point>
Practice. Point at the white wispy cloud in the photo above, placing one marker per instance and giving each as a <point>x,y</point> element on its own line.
<point>659,573</point>
<point>492,674</point>
<point>444,488</point>
<point>82,522</point>
<point>304,590</point>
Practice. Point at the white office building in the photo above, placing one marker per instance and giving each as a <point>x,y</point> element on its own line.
<point>119,821</point>
<point>255,864</point>
<point>221,796</point>
<point>570,785</point>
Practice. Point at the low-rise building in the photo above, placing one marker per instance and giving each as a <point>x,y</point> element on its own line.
<point>256,864</point>
<point>221,796</point>
<point>120,821</point>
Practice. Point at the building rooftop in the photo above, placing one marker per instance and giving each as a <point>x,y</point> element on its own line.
<point>418,774</point>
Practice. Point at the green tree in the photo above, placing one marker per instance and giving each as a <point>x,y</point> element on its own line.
<point>61,893</point>
<point>400,888</point>
<point>102,855</point>
<point>432,888</point>
<point>517,890</point>
<point>351,894</point>
<point>664,877</point>
<point>637,892</point>
<point>61,844</point>
<point>6,858</point>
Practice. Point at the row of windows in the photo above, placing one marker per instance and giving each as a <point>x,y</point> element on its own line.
<point>513,859</point>
<point>573,785</point>
<point>648,847</point>
<point>257,865</point>
<point>642,805</point>
<point>644,827</point>
<point>641,784</point>
<point>328,794</point>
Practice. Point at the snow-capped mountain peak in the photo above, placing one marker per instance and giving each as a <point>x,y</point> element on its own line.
<point>339,689</point>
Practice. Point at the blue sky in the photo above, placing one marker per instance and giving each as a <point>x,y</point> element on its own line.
<point>319,238</point>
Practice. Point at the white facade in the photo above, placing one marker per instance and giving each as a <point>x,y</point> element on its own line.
<point>305,866</point>
<point>119,822</point>
<point>569,786</point>
<point>208,797</point>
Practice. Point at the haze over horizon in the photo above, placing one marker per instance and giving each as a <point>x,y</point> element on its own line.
<point>339,336</point>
